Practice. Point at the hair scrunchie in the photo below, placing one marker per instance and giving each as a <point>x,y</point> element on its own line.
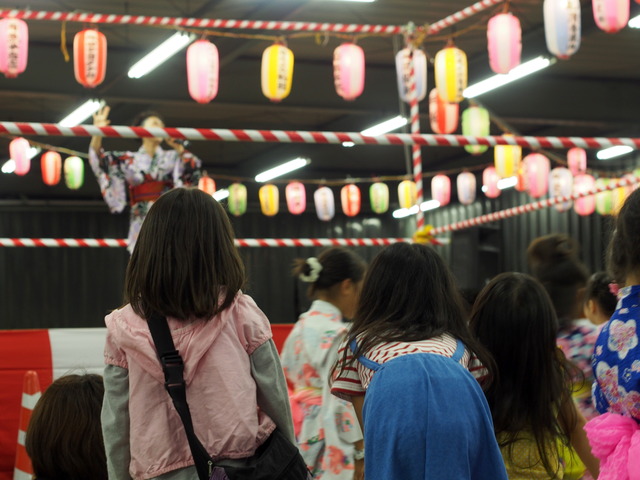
<point>316,268</point>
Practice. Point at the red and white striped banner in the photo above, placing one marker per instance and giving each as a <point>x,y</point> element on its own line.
<point>299,136</point>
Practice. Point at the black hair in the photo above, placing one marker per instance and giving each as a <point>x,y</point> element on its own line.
<point>139,119</point>
<point>598,290</point>
<point>338,264</point>
<point>513,317</point>
<point>554,262</point>
<point>623,255</point>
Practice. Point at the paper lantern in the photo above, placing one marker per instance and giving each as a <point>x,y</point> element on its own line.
<point>450,71</point>
<point>466,186</point>
<point>203,70</point>
<point>441,189</point>
<point>620,195</point>
<point>577,160</point>
<point>207,184</point>
<point>506,159</point>
<point>490,180</point>
<point>636,172</point>
<point>403,71</point>
<point>562,28</point>
<point>584,205</point>
<point>277,72</point>
<point>504,38</point>
<point>74,172</point>
<point>269,199</point>
<point>19,152</point>
<point>51,167</point>
<point>296,196</point>
<point>536,170</point>
<point>89,57</point>
<point>611,15</point>
<point>379,197</point>
<point>350,199</point>
<point>476,123</point>
<point>604,200</point>
<point>561,185</point>
<point>325,203</point>
<point>237,200</point>
<point>407,194</point>
<point>443,116</point>
<point>521,179</point>
<point>14,46</point>
<point>348,70</point>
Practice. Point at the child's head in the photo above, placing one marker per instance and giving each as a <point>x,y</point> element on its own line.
<point>624,248</point>
<point>336,276</point>
<point>554,262</point>
<point>599,300</point>
<point>64,438</point>
<point>185,263</point>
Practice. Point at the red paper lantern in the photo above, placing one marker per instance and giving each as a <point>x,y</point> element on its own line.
<point>441,189</point>
<point>14,46</point>
<point>296,198</point>
<point>207,184</point>
<point>490,180</point>
<point>443,116</point>
<point>51,167</point>
<point>203,71</point>
<point>90,57</point>
<point>584,205</point>
<point>466,185</point>
<point>350,199</point>
<point>504,37</point>
<point>348,70</point>
<point>577,160</point>
<point>19,152</point>
<point>536,171</point>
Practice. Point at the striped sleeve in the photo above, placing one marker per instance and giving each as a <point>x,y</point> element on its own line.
<point>347,384</point>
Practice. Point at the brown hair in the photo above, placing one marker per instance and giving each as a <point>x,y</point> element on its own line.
<point>64,438</point>
<point>338,264</point>
<point>623,254</point>
<point>185,259</point>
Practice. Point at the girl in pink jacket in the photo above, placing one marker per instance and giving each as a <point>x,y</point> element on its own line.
<point>185,266</point>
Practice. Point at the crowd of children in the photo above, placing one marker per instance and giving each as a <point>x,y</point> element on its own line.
<point>388,375</point>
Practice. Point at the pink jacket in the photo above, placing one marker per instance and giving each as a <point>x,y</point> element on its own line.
<point>220,389</point>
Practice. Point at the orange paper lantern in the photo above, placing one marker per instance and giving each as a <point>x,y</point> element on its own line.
<point>90,57</point>
<point>350,199</point>
<point>207,185</point>
<point>51,167</point>
<point>443,116</point>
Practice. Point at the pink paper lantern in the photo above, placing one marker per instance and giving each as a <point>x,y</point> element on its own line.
<point>536,170</point>
<point>561,185</point>
<point>325,203</point>
<point>348,70</point>
<point>562,27</point>
<point>577,160</point>
<point>441,189</point>
<point>403,72</point>
<point>14,46</point>
<point>51,167</point>
<point>504,38</point>
<point>89,57</point>
<point>584,205</point>
<point>466,185</point>
<point>203,70</point>
<point>350,199</point>
<point>296,198</point>
<point>490,180</point>
<point>611,15</point>
<point>19,152</point>
<point>443,116</point>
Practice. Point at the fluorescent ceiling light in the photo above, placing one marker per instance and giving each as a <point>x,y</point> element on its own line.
<point>516,73</point>
<point>81,113</point>
<point>385,127</point>
<point>504,183</point>
<point>612,152</point>
<point>359,1</point>
<point>221,194</point>
<point>348,144</point>
<point>161,54</point>
<point>283,169</point>
<point>10,165</point>
<point>634,22</point>
<point>405,212</point>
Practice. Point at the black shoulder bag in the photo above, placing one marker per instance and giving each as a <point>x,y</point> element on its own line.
<point>276,459</point>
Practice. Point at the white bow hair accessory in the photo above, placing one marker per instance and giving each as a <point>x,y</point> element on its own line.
<point>316,268</point>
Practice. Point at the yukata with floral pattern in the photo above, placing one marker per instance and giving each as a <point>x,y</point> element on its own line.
<point>329,426</point>
<point>117,172</point>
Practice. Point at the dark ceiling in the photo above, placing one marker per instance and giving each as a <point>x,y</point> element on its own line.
<point>595,93</point>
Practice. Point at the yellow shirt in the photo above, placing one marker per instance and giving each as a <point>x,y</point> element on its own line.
<point>523,462</point>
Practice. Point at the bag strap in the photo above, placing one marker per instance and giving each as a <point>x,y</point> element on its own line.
<point>173,368</point>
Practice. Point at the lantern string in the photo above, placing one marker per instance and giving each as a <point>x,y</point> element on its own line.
<point>63,41</point>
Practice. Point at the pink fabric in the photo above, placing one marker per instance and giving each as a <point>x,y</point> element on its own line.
<point>615,440</point>
<point>306,396</point>
<point>220,389</point>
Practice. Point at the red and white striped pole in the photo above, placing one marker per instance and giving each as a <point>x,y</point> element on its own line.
<point>416,153</point>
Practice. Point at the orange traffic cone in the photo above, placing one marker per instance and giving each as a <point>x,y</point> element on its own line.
<point>30,395</point>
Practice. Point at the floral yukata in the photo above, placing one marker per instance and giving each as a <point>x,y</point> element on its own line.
<point>119,174</point>
<point>326,427</point>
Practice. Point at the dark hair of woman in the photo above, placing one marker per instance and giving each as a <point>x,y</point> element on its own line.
<point>64,438</point>
<point>139,119</point>
<point>185,264</point>
<point>409,295</point>
<point>554,262</point>
<point>338,264</point>
<point>514,319</point>
<point>598,289</point>
<point>623,255</point>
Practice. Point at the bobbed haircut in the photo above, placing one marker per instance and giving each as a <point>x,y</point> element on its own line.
<point>338,264</point>
<point>185,264</point>
<point>623,253</point>
<point>64,437</point>
<point>513,317</point>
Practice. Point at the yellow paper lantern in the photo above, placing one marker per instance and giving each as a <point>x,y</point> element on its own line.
<point>269,199</point>
<point>407,194</point>
<point>277,72</point>
<point>450,71</point>
<point>507,159</point>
